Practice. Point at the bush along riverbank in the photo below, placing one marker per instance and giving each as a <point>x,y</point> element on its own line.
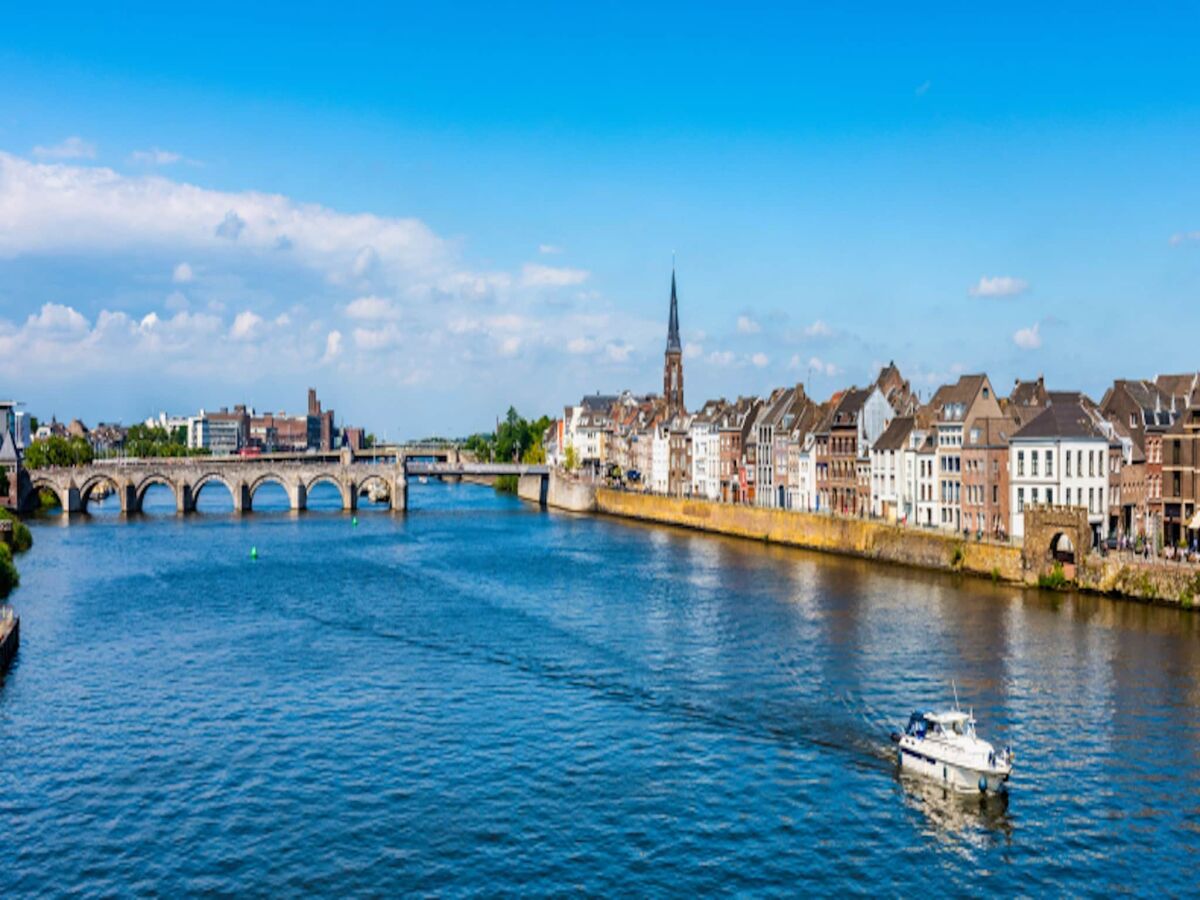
<point>17,532</point>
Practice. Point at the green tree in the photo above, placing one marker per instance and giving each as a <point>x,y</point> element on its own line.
<point>571,459</point>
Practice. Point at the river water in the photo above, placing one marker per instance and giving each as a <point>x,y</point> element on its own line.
<point>481,697</point>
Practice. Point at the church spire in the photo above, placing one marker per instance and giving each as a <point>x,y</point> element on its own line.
<point>673,358</point>
<point>673,343</point>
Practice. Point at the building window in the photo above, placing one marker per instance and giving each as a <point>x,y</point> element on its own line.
<point>1067,456</point>
<point>1033,494</point>
<point>1033,466</point>
<point>1049,496</point>
<point>1020,463</point>
<point>1068,493</point>
<point>995,493</point>
<point>1049,464</point>
<point>1020,499</point>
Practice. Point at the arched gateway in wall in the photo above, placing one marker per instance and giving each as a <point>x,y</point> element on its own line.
<point>1055,535</point>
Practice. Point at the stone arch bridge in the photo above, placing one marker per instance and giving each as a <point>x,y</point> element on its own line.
<point>186,478</point>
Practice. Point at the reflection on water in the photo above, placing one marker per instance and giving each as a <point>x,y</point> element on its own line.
<point>478,697</point>
<point>956,819</point>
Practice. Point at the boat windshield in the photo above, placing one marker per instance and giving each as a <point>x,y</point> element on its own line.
<point>916,725</point>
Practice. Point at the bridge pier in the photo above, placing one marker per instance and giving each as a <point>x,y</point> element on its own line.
<point>400,493</point>
<point>70,500</point>
<point>242,501</point>
<point>298,496</point>
<point>184,501</point>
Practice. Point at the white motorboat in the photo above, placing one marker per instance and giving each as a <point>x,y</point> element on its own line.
<point>942,746</point>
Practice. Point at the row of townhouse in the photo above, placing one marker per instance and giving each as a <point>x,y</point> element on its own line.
<point>967,460</point>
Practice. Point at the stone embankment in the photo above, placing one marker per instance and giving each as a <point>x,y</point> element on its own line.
<point>833,534</point>
<point>558,491</point>
<point>1153,582</point>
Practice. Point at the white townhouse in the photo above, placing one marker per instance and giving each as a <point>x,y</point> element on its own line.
<point>894,470</point>
<point>928,506</point>
<point>1059,458</point>
<point>705,436</point>
<point>802,480</point>
<point>660,458</point>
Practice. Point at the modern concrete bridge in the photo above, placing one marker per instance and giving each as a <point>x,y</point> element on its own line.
<point>351,474</point>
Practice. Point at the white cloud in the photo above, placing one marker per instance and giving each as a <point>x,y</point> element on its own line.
<point>372,309</point>
<point>618,351</point>
<point>760,360</point>
<point>333,346</point>
<point>721,358</point>
<point>245,326</point>
<point>282,293</point>
<point>1182,237</point>
<point>693,350</point>
<point>56,319</point>
<point>999,286</point>
<point>94,209</point>
<point>580,345</point>
<point>1028,338</point>
<point>365,262</point>
<point>535,275</point>
<point>155,156</point>
<point>370,339</point>
<point>73,147</point>
<point>549,249</point>
<point>816,364</point>
<point>746,325</point>
<point>817,329</point>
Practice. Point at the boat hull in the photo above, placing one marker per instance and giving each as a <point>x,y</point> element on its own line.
<point>955,776</point>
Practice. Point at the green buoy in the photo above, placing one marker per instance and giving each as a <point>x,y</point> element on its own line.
<point>354,521</point>
<point>254,553</point>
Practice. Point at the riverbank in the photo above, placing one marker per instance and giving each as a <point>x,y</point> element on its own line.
<point>867,539</point>
<point>831,534</point>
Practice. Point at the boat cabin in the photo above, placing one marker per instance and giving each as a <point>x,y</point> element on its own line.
<point>922,725</point>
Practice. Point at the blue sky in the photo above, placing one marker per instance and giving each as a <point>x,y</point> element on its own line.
<point>430,212</point>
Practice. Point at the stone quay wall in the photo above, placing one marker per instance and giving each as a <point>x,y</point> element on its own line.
<point>835,534</point>
<point>558,491</point>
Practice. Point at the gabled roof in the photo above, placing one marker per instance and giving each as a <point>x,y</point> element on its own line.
<point>1028,393</point>
<point>851,404</point>
<point>951,401</point>
<point>1061,420</point>
<point>895,436</point>
<point>990,431</point>
<point>8,449</point>
<point>601,402</point>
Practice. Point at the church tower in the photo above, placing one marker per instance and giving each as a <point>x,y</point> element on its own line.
<point>673,361</point>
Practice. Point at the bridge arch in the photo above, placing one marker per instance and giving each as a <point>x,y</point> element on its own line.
<point>291,488</point>
<point>349,500</point>
<point>92,482</point>
<point>364,484</point>
<point>38,483</point>
<point>147,482</point>
<point>193,490</point>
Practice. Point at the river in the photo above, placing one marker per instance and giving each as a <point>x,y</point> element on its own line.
<point>481,697</point>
